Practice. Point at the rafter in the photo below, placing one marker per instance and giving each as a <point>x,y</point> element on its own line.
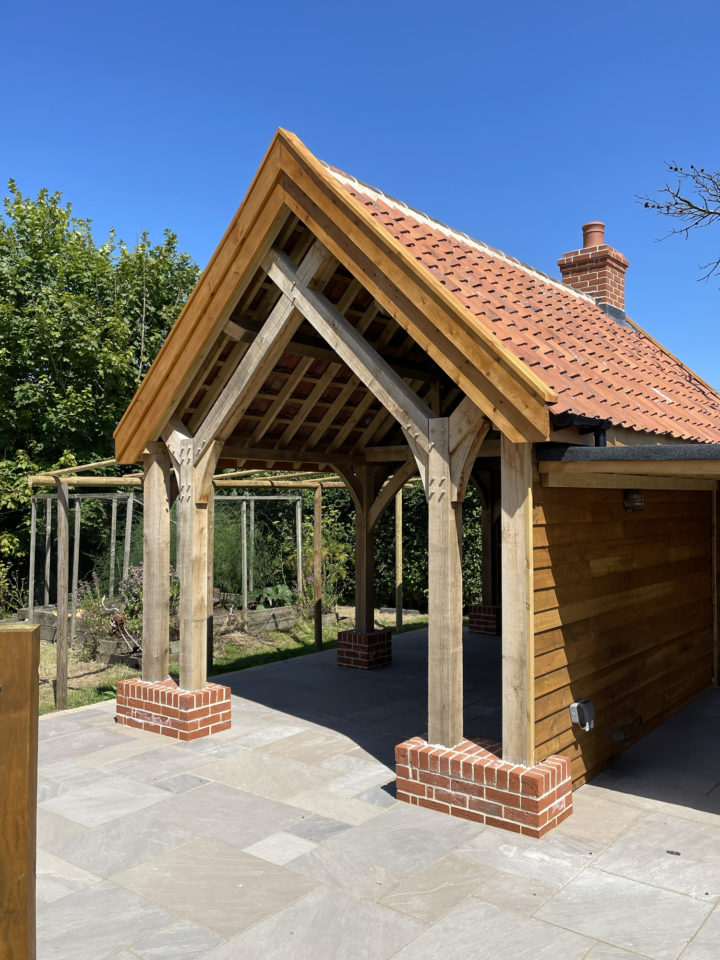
<point>262,355</point>
<point>377,375</point>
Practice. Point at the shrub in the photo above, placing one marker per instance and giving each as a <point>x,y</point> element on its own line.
<point>101,618</point>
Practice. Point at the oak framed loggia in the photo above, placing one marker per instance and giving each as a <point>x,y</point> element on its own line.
<point>296,352</point>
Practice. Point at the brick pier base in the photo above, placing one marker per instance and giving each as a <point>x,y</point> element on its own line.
<point>472,782</point>
<point>365,651</point>
<point>164,708</point>
<point>484,618</point>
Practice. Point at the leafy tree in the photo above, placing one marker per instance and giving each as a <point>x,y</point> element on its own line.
<point>694,201</point>
<point>79,325</point>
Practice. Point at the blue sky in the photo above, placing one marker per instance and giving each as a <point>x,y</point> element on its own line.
<point>514,122</point>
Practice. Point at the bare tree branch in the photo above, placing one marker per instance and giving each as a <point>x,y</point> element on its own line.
<point>695,200</point>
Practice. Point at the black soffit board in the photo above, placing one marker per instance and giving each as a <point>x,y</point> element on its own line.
<point>569,453</point>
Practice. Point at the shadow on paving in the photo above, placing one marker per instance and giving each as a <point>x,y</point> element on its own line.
<point>677,763</point>
<point>376,708</point>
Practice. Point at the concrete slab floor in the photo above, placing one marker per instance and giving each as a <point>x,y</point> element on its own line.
<point>281,838</point>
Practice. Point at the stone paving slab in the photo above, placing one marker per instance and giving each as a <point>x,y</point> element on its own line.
<point>280,838</point>
<point>204,881</point>
<point>627,914</point>
<point>327,925</point>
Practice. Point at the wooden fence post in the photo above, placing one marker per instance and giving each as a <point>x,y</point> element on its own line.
<point>113,536</point>
<point>75,568</point>
<point>19,659</point>
<point>398,560</point>
<point>31,571</point>
<point>317,564</point>
<point>48,548</point>
<point>63,554</point>
<point>128,534</point>
<point>251,548</point>
<point>243,514</point>
<point>298,546</point>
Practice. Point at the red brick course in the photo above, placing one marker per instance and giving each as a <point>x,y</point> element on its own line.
<point>471,781</point>
<point>364,651</point>
<point>166,709</point>
<point>484,618</point>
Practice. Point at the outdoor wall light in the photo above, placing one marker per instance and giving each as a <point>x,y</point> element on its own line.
<point>633,500</point>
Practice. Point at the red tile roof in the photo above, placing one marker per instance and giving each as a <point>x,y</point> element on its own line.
<point>598,366</point>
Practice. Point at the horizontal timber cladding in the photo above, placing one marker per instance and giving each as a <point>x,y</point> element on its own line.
<point>623,616</point>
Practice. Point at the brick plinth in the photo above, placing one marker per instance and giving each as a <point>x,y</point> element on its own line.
<point>164,708</point>
<point>365,651</point>
<point>472,782</point>
<point>484,618</point>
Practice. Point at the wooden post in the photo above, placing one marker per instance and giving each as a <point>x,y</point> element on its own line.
<point>445,652</point>
<point>298,546</point>
<point>63,553</point>
<point>19,660</point>
<point>113,535</point>
<point>195,487</point>
<point>243,513</point>
<point>48,548</point>
<point>317,564</point>
<point>156,563</point>
<point>128,534</point>
<point>487,549</point>
<point>251,547</point>
<point>714,567</point>
<point>75,568</point>
<point>31,571</point>
<point>210,585</point>
<point>518,642</point>
<point>398,560</point>
<point>363,486</point>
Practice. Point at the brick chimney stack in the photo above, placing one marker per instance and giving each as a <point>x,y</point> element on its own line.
<point>597,269</point>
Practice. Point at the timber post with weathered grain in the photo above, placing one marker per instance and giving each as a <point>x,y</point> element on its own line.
<point>19,660</point>
<point>156,562</point>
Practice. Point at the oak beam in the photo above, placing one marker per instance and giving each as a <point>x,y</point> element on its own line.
<point>352,348</point>
<point>396,482</point>
<point>518,641</point>
<point>261,356</point>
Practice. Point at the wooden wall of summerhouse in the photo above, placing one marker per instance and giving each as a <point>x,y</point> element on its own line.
<point>623,616</point>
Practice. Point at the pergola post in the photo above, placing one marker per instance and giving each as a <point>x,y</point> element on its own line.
<point>156,562</point>
<point>445,647</point>
<point>317,565</point>
<point>518,703</point>
<point>364,565</point>
<point>63,552</point>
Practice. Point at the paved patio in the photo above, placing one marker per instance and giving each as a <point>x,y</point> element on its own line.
<point>281,838</point>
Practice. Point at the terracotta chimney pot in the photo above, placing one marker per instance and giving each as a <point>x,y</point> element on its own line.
<point>593,233</point>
